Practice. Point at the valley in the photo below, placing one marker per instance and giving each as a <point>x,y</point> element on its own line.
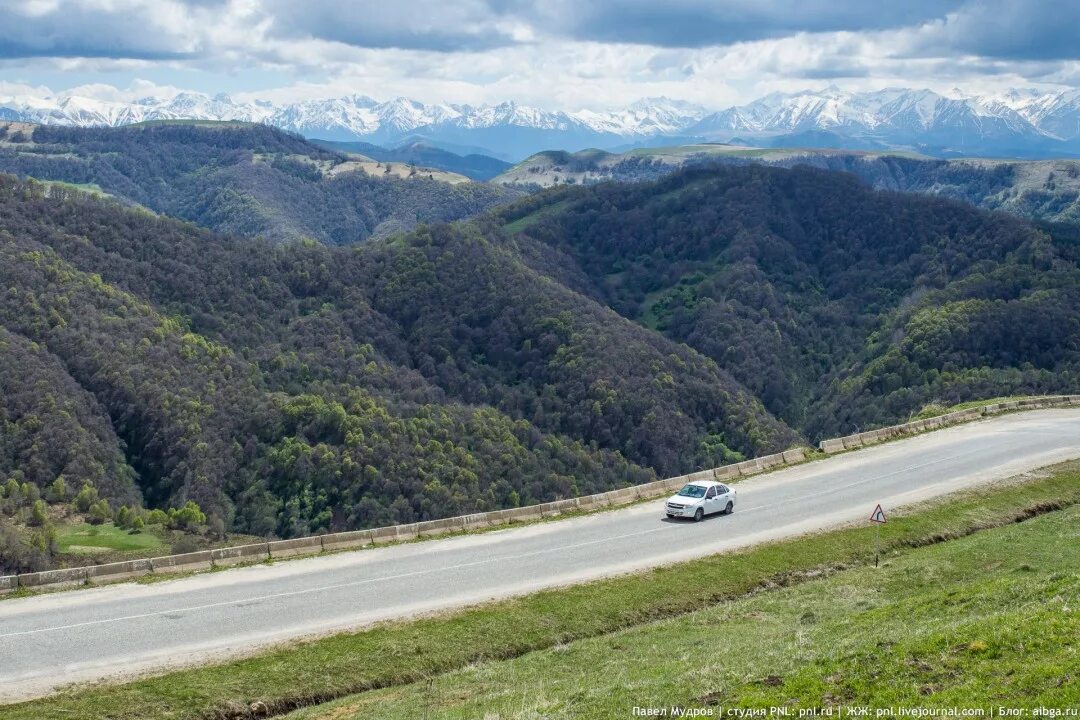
<point>576,340</point>
<point>539,361</point>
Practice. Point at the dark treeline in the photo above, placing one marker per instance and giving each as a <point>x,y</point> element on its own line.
<point>242,178</point>
<point>838,306</point>
<point>294,388</point>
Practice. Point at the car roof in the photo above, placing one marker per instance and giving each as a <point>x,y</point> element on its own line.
<point>703,483</point>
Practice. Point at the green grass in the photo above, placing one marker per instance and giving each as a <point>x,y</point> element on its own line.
<point>989,620</point>
<point>86,539</point>
<point>396,654</point>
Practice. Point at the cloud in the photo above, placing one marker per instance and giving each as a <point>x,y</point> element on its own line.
<point>1003,29</point>
<point>700,23</point>
<point>96,29</point>
<point>559,53</point>
<point>436,25</point>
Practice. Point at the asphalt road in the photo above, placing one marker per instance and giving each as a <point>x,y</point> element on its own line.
<point>119,630</point>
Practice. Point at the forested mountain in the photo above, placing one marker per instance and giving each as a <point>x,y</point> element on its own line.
<point>840,307</point>
<point>239,178</point>
<point>1042,190</point>
<point>577,340</point>
<point>294,387</point>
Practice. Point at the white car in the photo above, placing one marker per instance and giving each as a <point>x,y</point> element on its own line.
<point>701,498</point>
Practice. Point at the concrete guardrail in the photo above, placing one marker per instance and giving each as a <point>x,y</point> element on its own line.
<point>259,552</point>
<point>871,437</point>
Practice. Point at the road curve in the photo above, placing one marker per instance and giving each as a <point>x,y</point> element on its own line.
<point>52,640</point>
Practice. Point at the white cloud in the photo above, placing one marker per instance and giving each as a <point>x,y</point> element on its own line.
<point>568,54</point>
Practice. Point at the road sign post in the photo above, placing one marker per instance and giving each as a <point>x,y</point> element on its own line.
<point>878,518</point>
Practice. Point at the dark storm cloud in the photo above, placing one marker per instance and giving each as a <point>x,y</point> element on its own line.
<point>1006,29</point>
<point>698,23</point>
<point>76,29</point>
<point>168,29</point>
<point>481,24</point>
<point>414,24</point>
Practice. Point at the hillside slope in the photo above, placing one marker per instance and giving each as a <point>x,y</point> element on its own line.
<point>840,307</point>
<point>293,388</point>
<point>1043,190</point>
<point>420,153</point>
<point>239,178</point>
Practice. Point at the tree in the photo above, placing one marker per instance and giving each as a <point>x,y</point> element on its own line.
<point>125,517</point>
<point>86,497</point>
<point>157,517</point>
<point>99,513</point>
<point>57,491</point>
<point>188,518</point>
<point>39,514</point>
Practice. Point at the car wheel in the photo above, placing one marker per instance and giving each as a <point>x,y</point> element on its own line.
<point>730,508</point>
<point>698,515</point>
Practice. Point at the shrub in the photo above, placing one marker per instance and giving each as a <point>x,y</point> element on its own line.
<point>99,513</point>
<point>157,517</point>
<point>30,493</point>
<point>188,517</point>
<point>86,497</point>
<point>185,544</point>
<point>57,491</point>
<point>124,518</point>
<point>39,514</point>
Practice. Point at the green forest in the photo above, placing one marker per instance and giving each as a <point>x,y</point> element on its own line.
<point>841,308</point>
<point>240,178</point>
<point>233,337</point>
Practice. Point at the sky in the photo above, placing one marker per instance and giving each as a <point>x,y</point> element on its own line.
<point>555,54</point>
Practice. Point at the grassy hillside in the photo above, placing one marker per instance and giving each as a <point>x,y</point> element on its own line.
<point>981,622</point>
<point>840,307</point>
<point>289,389</point>
<point>242,178</point>
<point>449,665</point>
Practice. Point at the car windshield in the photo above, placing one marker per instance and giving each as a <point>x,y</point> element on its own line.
<point>692,491</point>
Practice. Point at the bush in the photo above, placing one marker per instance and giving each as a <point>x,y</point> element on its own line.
<point>99,513</point>
<point>157,517</point>
<point>17,555</point>
<point>30,493</point>
<point>57,491</point>
<point>185,544</point>
<point>39,514</point>
<point>86,497</point>
<point>124,518</point>
<point>188,517</point>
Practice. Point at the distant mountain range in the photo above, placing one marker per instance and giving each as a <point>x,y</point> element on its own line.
<point>1016,123</point>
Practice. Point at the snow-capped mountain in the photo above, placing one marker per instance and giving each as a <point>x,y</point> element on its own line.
<point>1016,122</point>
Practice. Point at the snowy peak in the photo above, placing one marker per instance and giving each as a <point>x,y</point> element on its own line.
<point>1012,120</point>
<point>1015,121</point>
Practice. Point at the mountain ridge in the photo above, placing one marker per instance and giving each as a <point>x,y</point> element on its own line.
<point>1017,122</point>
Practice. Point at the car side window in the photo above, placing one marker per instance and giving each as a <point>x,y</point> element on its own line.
<point>711,493</point>
<point>722,489</point>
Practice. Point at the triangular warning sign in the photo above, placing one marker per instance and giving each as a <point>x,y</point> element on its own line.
<point>879,515</point>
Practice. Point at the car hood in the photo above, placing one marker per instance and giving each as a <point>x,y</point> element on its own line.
<point>681,500</point>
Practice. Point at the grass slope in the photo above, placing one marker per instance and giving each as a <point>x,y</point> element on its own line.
<point>394,655</point>
<point>987,621</point>
<point>84,538</point>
